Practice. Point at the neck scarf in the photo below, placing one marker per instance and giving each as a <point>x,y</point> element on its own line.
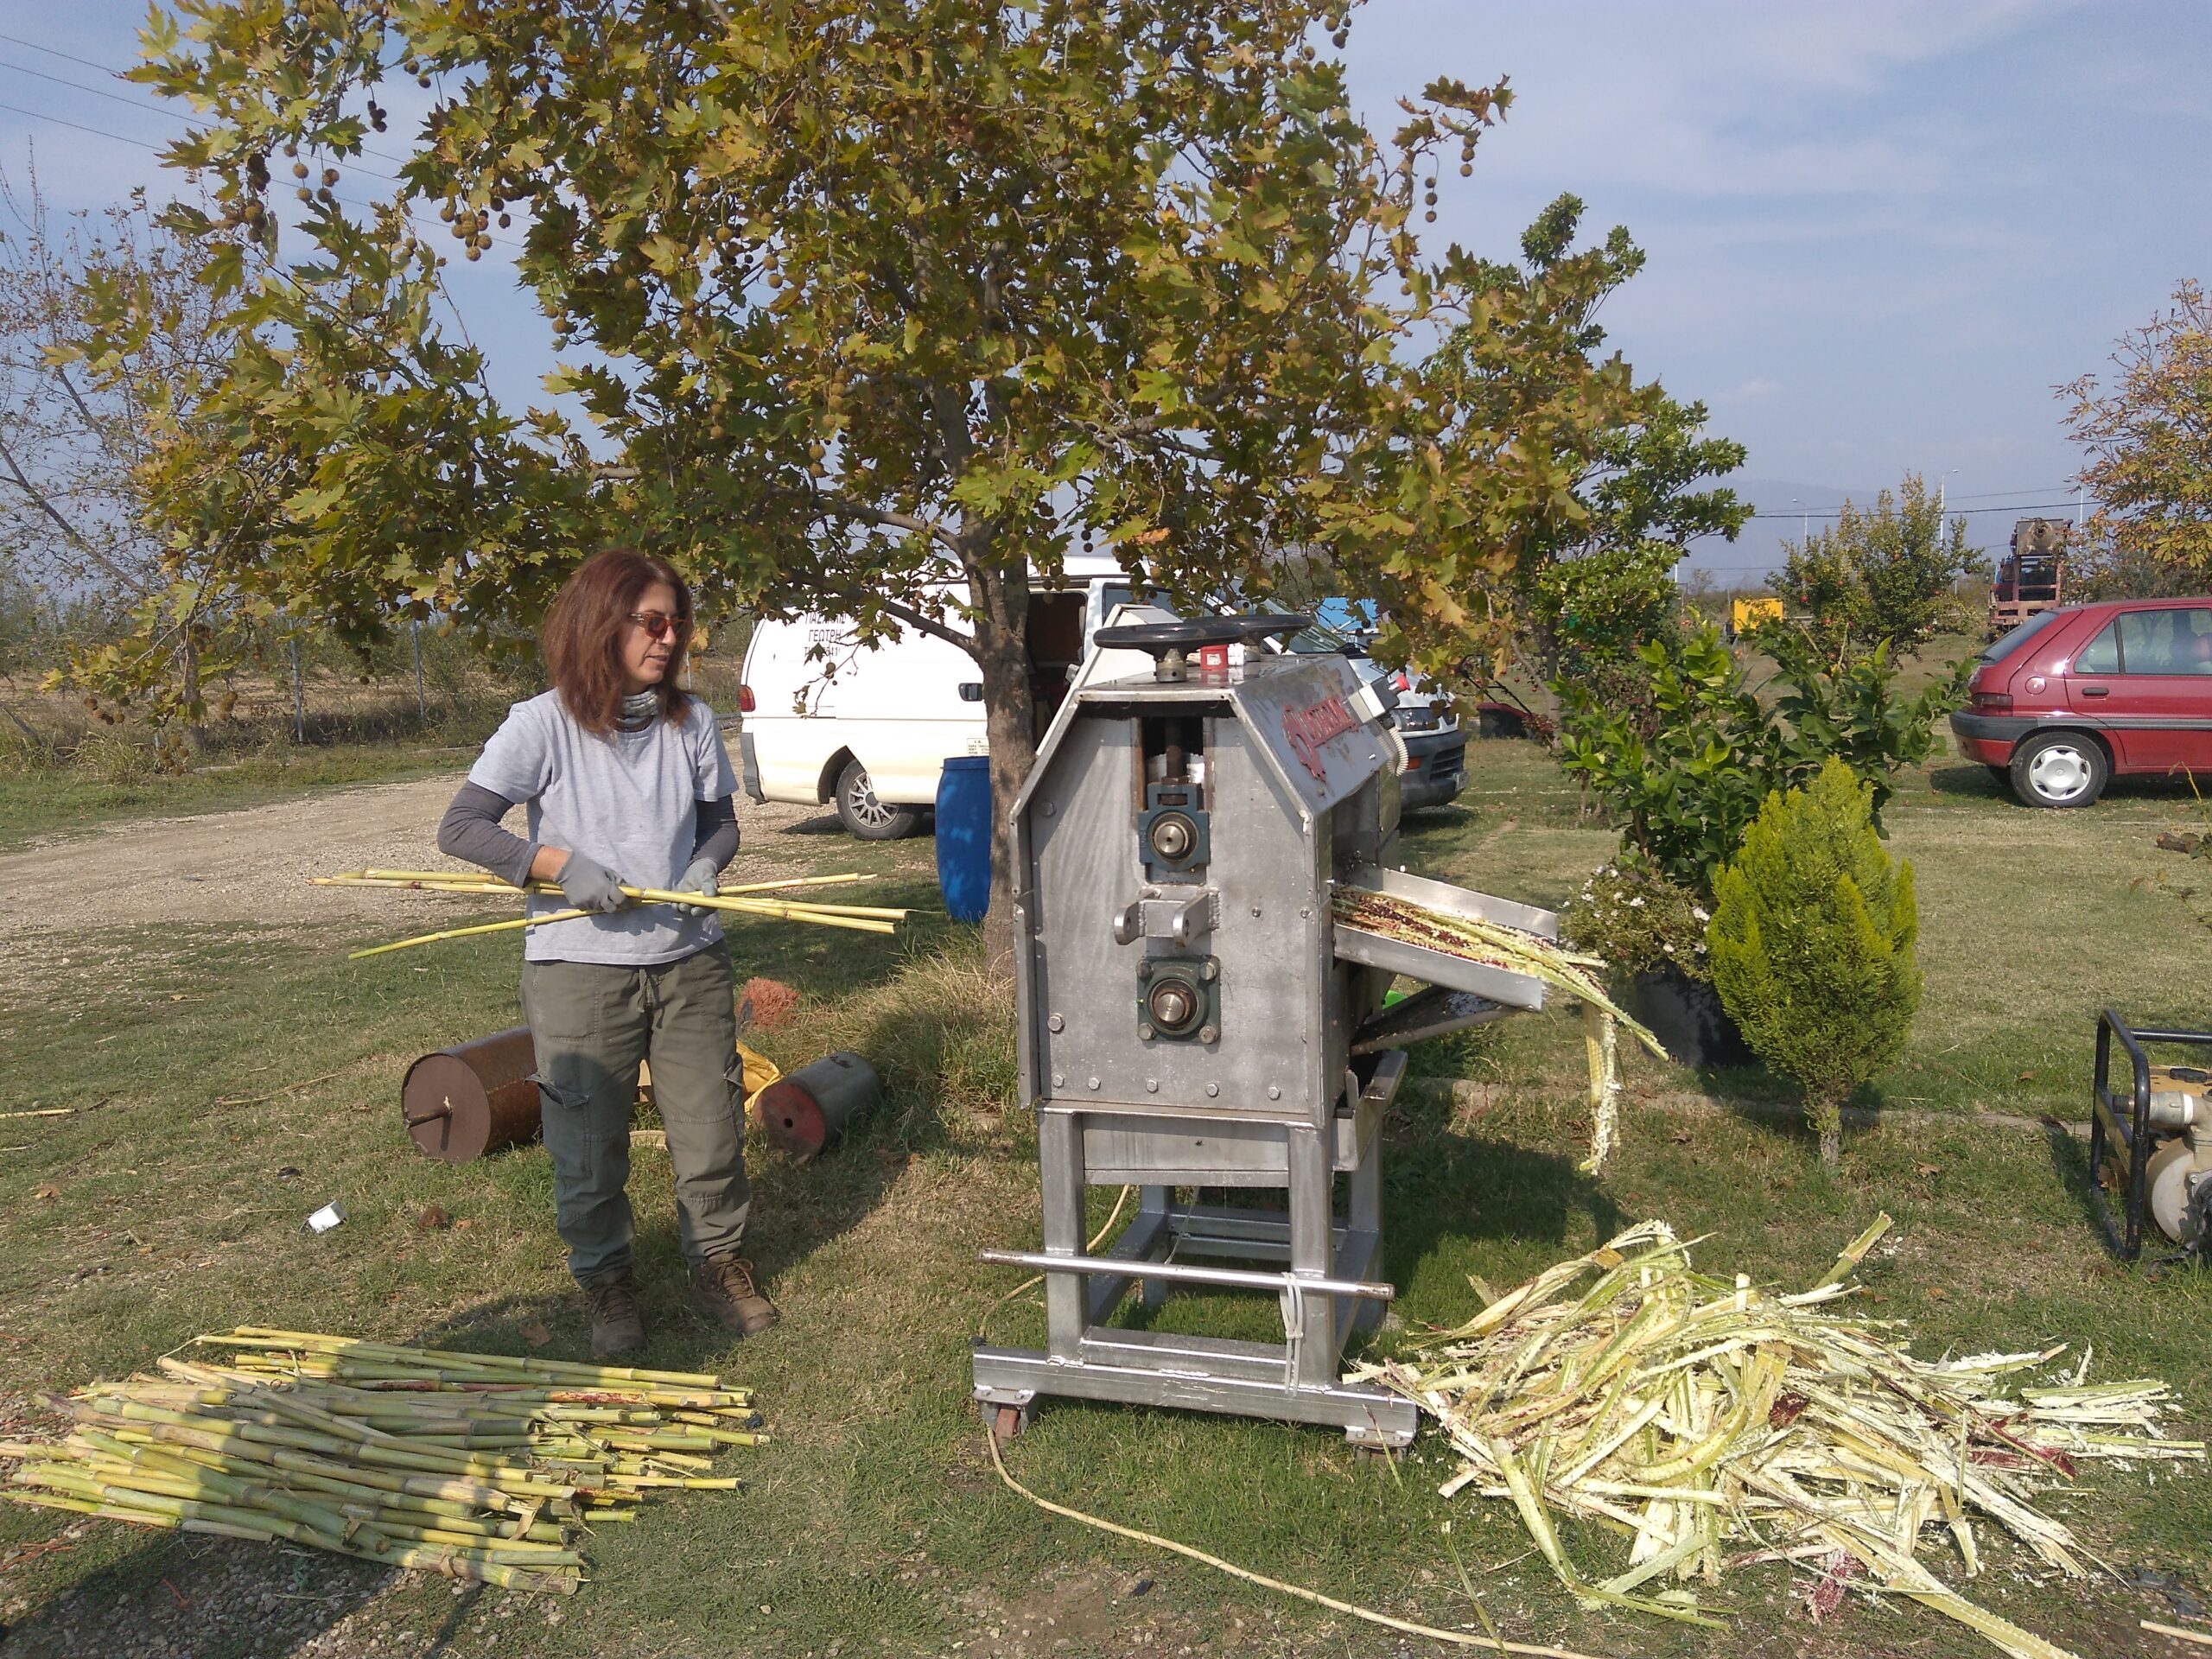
<point>639,711</point>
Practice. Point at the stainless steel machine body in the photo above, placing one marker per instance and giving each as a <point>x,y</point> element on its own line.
<point>1190,1016</point>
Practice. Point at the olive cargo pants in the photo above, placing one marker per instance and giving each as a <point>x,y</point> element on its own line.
<point>592,1023</point>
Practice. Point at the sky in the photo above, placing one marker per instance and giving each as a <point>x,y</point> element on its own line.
<point>1879,234</point>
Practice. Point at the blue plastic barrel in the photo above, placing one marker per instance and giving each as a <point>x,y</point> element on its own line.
<point>963,836</point>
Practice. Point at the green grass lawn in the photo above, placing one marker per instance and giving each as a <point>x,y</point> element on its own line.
<point>230,1084</point>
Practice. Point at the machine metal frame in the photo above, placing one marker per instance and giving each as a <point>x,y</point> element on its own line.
<point>1281,777</point>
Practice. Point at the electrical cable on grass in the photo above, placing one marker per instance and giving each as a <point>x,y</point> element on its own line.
<point>1456,1638</point>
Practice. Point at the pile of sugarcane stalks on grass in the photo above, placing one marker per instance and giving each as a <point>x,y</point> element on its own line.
<point>479,1466</point>
<point>744,900</point>
<point>1713,1425</point>
<point>1515,950</point>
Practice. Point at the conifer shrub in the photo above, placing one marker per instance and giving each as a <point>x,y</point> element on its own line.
<point>1813,944</point>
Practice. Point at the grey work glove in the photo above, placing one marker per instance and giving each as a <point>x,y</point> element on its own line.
<point>699,876</point>
<point>588,884</point>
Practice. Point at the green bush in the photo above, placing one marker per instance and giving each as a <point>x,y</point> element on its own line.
<point>1812,939</point>
<point>1687,780</point>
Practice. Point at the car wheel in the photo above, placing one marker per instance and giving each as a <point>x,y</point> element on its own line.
<point>2059,769</point>
<point>864,816</point>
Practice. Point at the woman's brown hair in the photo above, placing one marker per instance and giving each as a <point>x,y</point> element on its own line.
<point>582,638</point>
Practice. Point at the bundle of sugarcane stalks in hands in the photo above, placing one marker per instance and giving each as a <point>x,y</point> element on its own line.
<point>479,1466</point>
<point>746,900</point>
<point>1712,1425</point>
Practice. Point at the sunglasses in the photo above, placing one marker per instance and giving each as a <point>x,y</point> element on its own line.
<point>656,625</point>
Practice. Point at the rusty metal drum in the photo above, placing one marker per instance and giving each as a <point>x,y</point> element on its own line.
<point>463,1101</point>
<point>811,1108</point>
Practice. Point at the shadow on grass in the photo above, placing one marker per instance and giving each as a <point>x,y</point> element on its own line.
<point>1455,1188</point>
<point>1980,783</point>
<point>174,1596</point>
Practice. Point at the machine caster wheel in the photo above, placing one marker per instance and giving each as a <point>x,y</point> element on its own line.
<point>1007,1423</point>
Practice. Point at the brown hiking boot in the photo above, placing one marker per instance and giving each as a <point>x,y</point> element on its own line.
<point>617,1327</point>
<point>724,1289</point>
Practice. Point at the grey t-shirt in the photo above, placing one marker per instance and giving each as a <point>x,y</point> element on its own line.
<point>629,800</point>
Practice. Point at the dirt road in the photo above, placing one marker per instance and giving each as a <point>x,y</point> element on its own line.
<point>252,866</point>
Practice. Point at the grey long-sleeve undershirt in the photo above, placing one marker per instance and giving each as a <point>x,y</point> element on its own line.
<point>471,831</point>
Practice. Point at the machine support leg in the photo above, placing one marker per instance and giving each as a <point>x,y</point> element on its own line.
<point>1153,1201</point>
<point>1059,1159</point>
<point>1311,1254</point>
<point>1364,1215</point>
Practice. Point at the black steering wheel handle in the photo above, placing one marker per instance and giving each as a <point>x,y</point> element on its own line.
<point>1160,638</point>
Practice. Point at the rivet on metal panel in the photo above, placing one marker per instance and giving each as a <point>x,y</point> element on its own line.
<point>1255,910</point>
<point>1145,1033</point>
<point>1094,1082</point>
<point>1058,1022</point>
<point>1207,1033</point>
<point>1144,970</point>
<point>1275,1092</point>
<point>1151,1085</point>
<point>1211,970</point>
<point>1044,808</point>
<point>1057,1079</point>
<point>1212,1088</point>
<point>1306,911</point>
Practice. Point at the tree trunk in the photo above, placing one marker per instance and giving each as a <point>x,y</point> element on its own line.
<point>1002,602</point>
<point>1827,1115</point>
<point>195,711</point>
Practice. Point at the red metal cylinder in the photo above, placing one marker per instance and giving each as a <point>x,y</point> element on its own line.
<point>811,1108</point>
<point>463,1101</point>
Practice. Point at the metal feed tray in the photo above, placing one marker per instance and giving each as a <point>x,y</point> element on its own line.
<point>1433,966</point>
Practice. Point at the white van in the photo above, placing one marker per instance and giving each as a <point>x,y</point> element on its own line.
<point>874,735</point>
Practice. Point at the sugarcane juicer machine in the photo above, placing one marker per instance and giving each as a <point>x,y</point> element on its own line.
<point>1191,1017</point>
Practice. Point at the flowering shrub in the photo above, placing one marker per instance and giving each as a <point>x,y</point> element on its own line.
<point>1631,914</point>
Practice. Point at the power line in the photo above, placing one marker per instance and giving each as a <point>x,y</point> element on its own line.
<point>2023,507</point>
<point>79,126</point>
<point>1992,495</point>
<point>110,69</point>
<point>56,52</point>
<point>151,109</point>
<point>159,149</point>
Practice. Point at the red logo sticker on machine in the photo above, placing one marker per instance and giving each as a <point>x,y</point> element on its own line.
<point>1310,727</point>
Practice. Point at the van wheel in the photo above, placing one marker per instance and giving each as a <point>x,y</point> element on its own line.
<point>2059,769</point>
<point>864,816</point>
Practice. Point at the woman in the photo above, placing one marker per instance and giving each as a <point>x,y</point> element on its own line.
<point>627,784</point>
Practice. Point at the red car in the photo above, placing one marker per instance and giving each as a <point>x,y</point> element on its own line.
<point>2071,697</point>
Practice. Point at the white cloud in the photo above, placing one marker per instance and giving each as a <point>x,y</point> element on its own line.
<point>1758,388</point>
